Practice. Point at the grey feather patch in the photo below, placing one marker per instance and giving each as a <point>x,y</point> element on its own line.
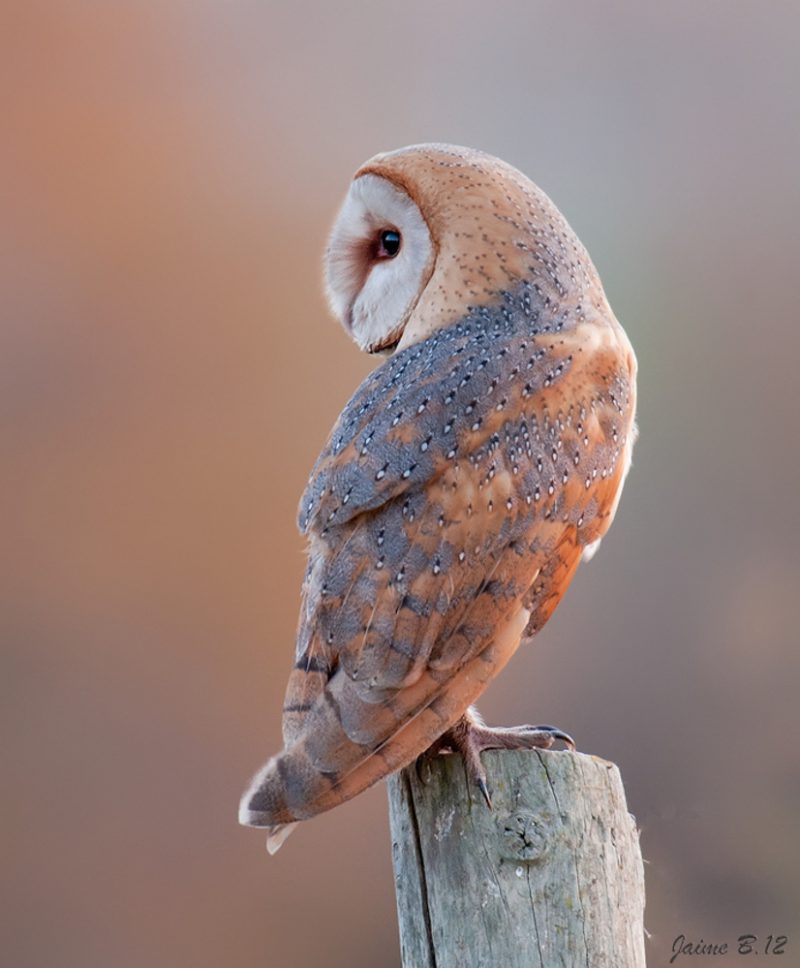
<point>435,391</point>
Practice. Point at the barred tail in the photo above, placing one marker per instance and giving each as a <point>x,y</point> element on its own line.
<point>326,766</point>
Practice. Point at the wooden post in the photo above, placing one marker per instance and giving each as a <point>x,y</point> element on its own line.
<point>551,876</point>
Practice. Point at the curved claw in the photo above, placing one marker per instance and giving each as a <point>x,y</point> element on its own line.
<point>470,737</point>
<point>555,734</point>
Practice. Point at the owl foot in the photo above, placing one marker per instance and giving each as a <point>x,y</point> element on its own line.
<point>470,736</point>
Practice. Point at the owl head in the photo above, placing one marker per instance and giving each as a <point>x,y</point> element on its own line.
<point>428,232</point>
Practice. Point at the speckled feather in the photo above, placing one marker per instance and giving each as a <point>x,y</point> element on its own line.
<point>448,512</point>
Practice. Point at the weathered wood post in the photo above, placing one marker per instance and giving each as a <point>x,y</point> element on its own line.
<point>552,875</point>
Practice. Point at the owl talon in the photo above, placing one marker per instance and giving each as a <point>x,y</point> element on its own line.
<point>470,737</point>
<point>546,734</point>
<point>485,791</point>
<point>519,738</point>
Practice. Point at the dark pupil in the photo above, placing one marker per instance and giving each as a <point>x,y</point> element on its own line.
<point>390,243</point>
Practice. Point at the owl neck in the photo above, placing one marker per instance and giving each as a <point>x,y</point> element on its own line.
<point>538,306</point>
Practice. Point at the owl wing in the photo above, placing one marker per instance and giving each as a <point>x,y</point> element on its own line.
<point>445,513</point>
<point>412,499</point>
<point>419,407</point>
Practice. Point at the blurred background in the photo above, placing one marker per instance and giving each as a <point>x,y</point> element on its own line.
<point>169,372</point>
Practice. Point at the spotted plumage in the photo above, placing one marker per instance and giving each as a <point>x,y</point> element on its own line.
<point>462,483</point>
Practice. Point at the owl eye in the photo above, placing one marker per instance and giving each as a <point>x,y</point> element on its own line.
<point>388,244</point>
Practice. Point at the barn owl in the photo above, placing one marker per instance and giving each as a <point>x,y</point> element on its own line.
<point>462,484</point>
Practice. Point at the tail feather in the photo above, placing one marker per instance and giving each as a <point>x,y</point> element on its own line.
<point>295,785</point>
<point>277,834</point>
<point>264,802</point>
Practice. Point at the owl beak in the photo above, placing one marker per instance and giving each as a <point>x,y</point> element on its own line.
<point>384,349</point>
<point>388,345</point>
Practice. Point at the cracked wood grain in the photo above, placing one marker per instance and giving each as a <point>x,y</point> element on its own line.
<point>552,876</point>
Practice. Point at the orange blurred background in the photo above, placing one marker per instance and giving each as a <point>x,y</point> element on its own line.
<point>169,372</point>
